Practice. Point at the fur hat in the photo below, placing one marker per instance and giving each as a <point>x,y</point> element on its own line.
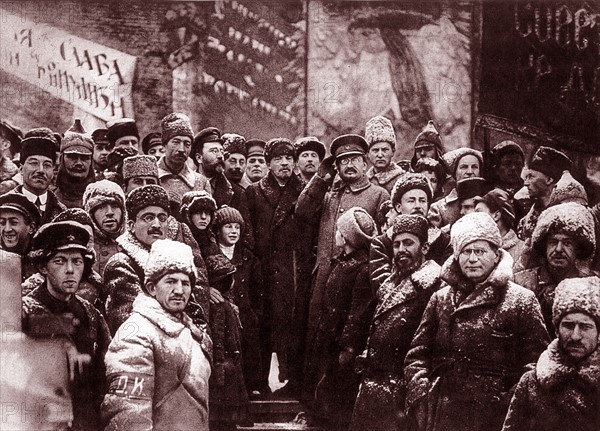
<point>577,295</point>
<point>120,128</point>
<point>468,188</point>
<point>145,196</point>
<point>166,257</point>
<point>176,124</point>
<point>196,201</point>
<point>415,224</point>
<point>571,219</point>
<point>504,148</point>
<point>410,181</point>
<point>75,214</point>
<point>20,203</point>
<point>429,136</point>
<point>226,215</point>
<point>137,166</point>
<point>550,162</point>
<point>102,192</point>
<point>348,144</point>
<point>64,235</point>
<point>568,189</point>
<point>357,227</point>
<point>152,139</point>
<point>77,143</point>
<point>310,143</point>
<point>471,227</point>
<point>234,144</point>
<point>44,132</point>
<point>453,157</point>
<point>380,129</point>
<point>255,147</point>
<point>279,147</point>
<point>35,146</point>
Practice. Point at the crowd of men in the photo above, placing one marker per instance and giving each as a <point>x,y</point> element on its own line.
<point>418,295</point>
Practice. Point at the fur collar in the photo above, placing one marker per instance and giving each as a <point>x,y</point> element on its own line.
<point>392,172</point>
<point>134,249</point>
<point>499,276</point>
<point>186,174</point>
<point>282,199</point>
<point>510,239</point>
<point>554,368</point>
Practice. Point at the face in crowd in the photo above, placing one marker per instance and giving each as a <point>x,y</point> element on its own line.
<point>235,165</point>
<point>128,142</point>
<point>538,184</point>
<point>578,335</point>
<point>211,158</point>
<point>38,172</point>
<point>351,167</point>
<point>15,231</point>
<point>101,151</point>
<point>282,167</point>
<point>149,225</point>
<point>229,234</point>
<point>177,151</point>
<point>561,251</point>
<point>509,169</point>
<point>477,260</point>
<point>308,162</point>
<point>157,151</point>
<point>64,271</point>
<point>77,165</point>
<point>256,167</point>
<point>139,181</point>
<point>108,218</point>
<point>413,202</point>
<point>467,167</point>
<point>172,291</point>
<point>426,151</point>
<point>201,219</point>
<point>380,155</point>
<point>409,252</point>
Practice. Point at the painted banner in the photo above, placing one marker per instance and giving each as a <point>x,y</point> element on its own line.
<point>92,77</point>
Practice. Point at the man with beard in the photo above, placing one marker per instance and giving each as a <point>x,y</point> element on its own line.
<point>543,173</point>
<point>401,300</point>
<point>104,201</point>
<point>381,137</point>
<point>75,171</point>
<point>256,166</point>
<point>563,241</point>
<point>102,148</point>
<point>476,337</point>
<point>310,152</point>
<point>173,171</point>
<point>123,133</point>
<point>284,256</point>
<point>148,215</point>
<point>563,391</point>
<point>38,157</point>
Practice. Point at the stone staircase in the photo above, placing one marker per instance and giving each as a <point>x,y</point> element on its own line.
<point>273,415</point>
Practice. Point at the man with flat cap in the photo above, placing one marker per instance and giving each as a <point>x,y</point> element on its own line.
<point>310,152</point>
<point>60,250</point>
<point>123,133</point>
<point>102,148</point>
<point>152,145</point>
<point>256,165</point>
<point>38,157</point>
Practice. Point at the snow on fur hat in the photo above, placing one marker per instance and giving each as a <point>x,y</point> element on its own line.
<point>380,129</point>
<point>550,162</point>
<point>571,219</point>
<point>137,166</point>
<point>234,144</point>
<point>166,257</point>
<point>357,227</point>
<point>279,147</point>
<point>453,157</point>
<point>176,124</point>
<point>102,192</point>
<point>429,136</point>
<point>75,214</point>
<point>410,181</point>
<point>197,200</point>
<point>77,143</point>
<point>568,189</point>
<point>474,227</point>
<point>310,143</point>
<point>415,224</point>
<point>145,196</point>
<point>120,128</point>
<point>577,295</point>
<point>227,214</point>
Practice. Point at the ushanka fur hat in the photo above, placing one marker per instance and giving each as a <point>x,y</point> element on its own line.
<point>571,219</point>
<point>167,257</point>
<point>103,192</point>
<point>577,295</point>
<point>137,166</point>
<point>357,227</point>
<point>380,129</point>
<point>477,226</point>
<point>279,147</point>
<point>410,181</point>
<point>197,200</point>
<point>234,144</point>
<point>176,124</point>
<point>145,196</point>
<point>550,162</point>
<point>415,224</point>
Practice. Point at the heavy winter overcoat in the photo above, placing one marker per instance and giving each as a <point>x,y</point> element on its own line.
<point>157,374</point>
<point>400,305</point>
<point>387,178</point>
<point>557,395</point>
<point>468,354</point>
<point>53,206</point>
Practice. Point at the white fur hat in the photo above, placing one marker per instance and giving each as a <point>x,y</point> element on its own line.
<point>474,227</point>
<point>167,256</point>
<point>577,295</point>
<point>380,129</point>
<point>357,227</point>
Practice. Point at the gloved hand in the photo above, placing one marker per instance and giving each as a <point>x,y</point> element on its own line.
<point>327,168</point>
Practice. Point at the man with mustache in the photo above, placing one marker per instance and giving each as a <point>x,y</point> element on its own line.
<point>38,157</point>
<point>123,133</point>
<point>381,137</point>
<point>102,148</point>
<point>401,300</point>
<point>563,241</point>
<point>563,391</point>
<point>310,152</point>
<point>147,221</point>
<point>104,201</point>
<point>159,364</point>
<point>60,251</point>
<point>284,251</point>
<point>173,171</point>
<point>75,171</point>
